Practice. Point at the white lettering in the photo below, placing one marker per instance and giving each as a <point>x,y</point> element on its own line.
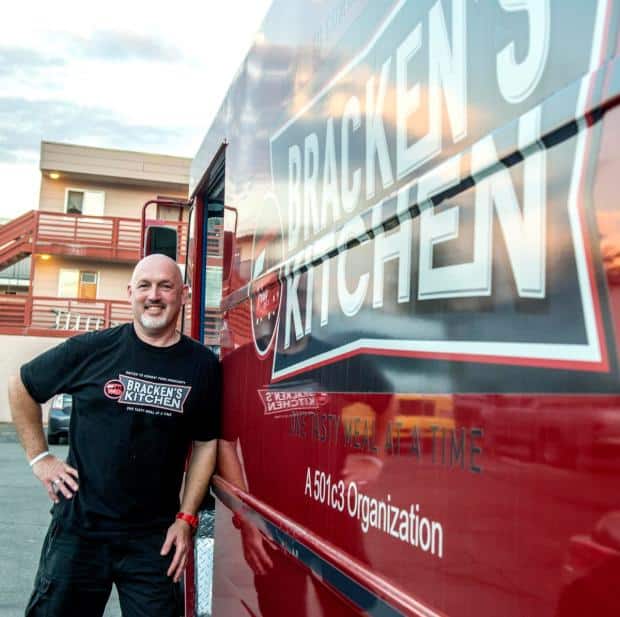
<point>517,80</point>
<point>448,67</point>
<point>376,141</point>
<point>447,76</point>
<point>350,191</point>
<point>350,302</point>
<point>294,195</point>
<point>309,292</point>
<point>523,230</point>
<point>407,102</point>
<point>392,245</point>
<point>331,195</point>
<point>292,301</point>
<point>320,248</point>
<point>468,279</point>
<point>311,171</point>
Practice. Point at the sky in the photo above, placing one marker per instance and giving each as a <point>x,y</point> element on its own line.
<point>129,74</point>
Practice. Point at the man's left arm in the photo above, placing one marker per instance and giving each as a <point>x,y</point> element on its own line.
<point>199,471</point>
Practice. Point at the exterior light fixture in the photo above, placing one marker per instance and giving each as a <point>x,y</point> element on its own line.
<point>54,175</point>
<point>45,257</point>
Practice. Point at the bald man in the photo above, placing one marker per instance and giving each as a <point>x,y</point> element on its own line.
<point>142,393</point>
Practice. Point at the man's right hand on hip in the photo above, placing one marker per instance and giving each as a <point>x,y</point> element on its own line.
<point>57,477</point>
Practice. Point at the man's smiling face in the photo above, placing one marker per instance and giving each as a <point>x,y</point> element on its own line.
<point>157,293</point>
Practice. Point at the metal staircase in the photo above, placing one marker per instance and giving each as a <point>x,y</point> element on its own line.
<point>17,239</point>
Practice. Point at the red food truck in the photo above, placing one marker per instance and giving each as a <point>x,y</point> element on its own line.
<point>403,244</point>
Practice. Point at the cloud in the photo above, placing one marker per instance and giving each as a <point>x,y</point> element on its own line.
<point>102,45</point>
<point>24,123</point>
<point>115,46</point>
<point>13,59</point>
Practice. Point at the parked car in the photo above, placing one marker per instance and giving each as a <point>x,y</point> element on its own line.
<point>60,415</point>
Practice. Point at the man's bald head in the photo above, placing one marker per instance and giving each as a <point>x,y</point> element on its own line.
<point>158,263</point>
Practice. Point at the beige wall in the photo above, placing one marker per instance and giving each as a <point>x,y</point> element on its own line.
<point>113,277</point>
<point>123,201</point>
<point>17,350</point>
<point>118,165</point>
<point>113,280</point>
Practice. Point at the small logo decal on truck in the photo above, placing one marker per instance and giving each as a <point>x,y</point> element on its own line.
<point>266,287</point>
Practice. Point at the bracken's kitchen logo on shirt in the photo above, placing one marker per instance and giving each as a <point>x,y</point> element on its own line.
<point>113,389</point>
<point>133,391</point>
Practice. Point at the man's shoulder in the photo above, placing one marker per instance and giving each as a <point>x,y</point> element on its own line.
<point>101,338</point>
<point>199,351</point>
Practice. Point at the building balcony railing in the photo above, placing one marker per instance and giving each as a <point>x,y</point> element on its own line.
<point>97,237</point>
<point>51,316</point>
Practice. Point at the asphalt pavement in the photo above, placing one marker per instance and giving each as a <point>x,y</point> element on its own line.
<point>24,517</point>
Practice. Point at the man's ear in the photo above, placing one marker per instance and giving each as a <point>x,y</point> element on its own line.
<point>129,291</point>
<point>186,295</point>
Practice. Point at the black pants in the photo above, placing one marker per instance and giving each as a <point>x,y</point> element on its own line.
<point>76,574</point>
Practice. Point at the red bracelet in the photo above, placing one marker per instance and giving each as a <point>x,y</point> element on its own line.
<point>190,519</point>
<point>237,520</point>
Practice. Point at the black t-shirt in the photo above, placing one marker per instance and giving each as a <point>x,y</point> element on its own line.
<point>136,408</point>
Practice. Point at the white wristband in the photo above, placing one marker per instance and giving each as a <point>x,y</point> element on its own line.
<point>38,457</point>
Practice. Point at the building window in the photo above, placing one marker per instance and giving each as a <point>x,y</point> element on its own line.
<point>88,285</point>
<point>78,201</point>
<point>75,202</point>
<point>80,284</point>
<point>169,213</point>
<point>68,283</point>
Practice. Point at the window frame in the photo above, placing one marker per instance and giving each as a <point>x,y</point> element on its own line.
<point>84,191</point>
<point>79,279</point>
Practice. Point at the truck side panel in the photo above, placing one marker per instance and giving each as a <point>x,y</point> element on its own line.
<point>421,410</point>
